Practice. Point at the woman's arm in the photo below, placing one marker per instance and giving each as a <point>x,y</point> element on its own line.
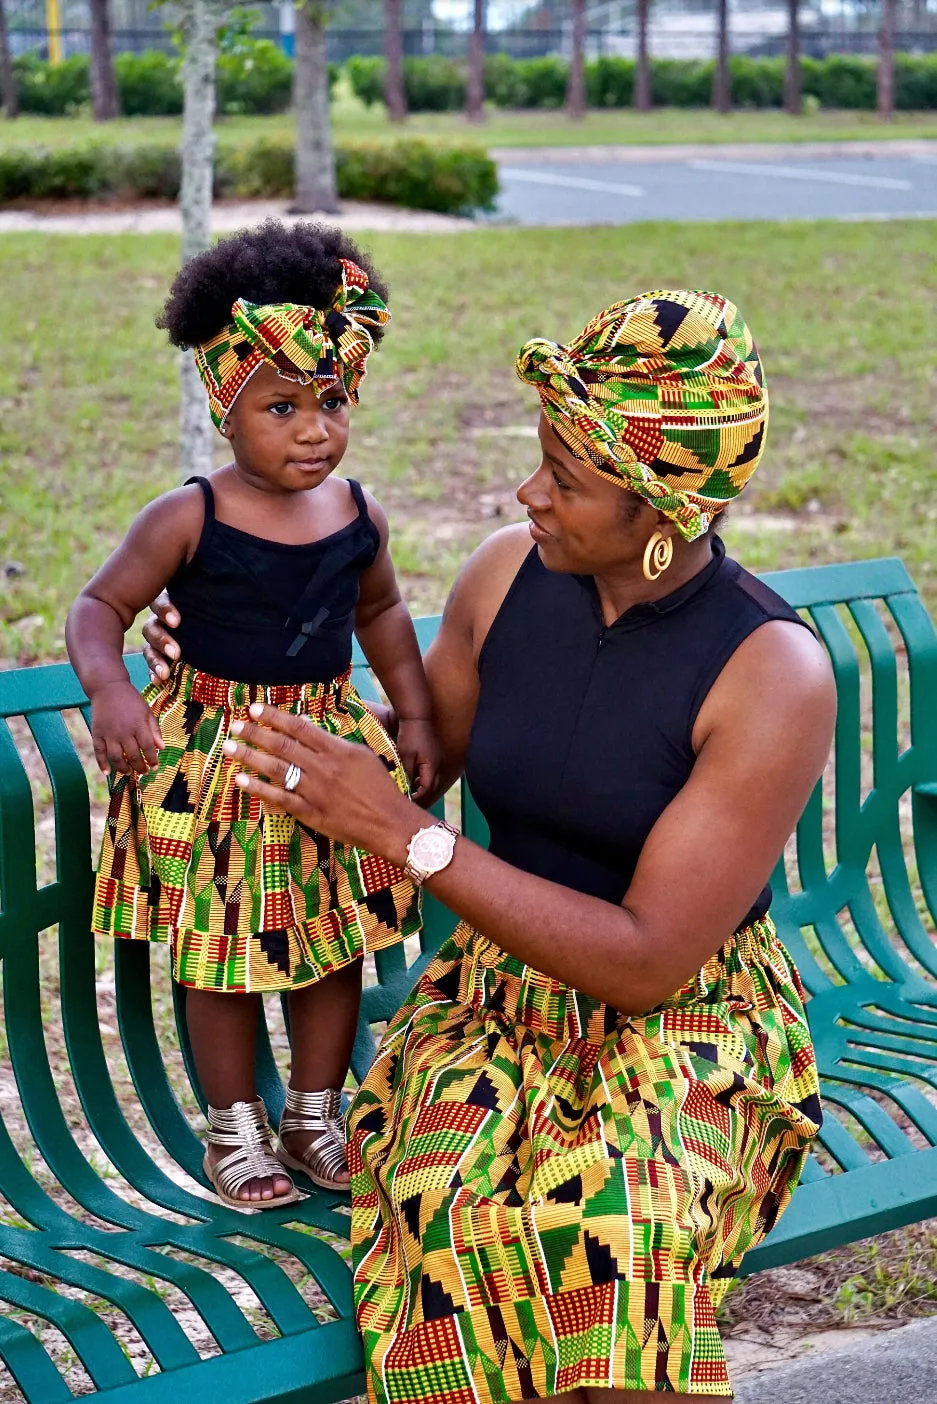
<point>124,732</point>
<point>764,731</point>
<point>452,658</point>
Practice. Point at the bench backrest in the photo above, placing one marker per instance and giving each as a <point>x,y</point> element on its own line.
<point>833,921</point>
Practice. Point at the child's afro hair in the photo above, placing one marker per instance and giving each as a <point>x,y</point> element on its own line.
<point>271,263</point>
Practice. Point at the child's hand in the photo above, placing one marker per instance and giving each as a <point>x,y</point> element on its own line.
<point>124,730</point>
<point>419,751</point>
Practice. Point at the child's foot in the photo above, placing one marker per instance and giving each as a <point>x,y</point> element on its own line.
<point>251,1191</point>
<point>312,1137</point>
<point>239,1157</point>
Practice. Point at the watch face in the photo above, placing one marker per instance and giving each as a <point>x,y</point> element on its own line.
<point>431,849</point>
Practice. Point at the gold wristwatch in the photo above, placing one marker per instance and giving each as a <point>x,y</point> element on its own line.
<point>429,851</point>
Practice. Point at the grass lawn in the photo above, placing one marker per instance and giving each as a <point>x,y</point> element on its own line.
<point>843,315</point>
<point>353,121</point>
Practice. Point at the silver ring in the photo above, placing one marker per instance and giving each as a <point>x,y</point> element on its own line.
<point>292,778</point>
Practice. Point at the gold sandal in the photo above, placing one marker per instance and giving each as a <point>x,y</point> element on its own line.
<point>245,1129</point>
<point>321,1114</point>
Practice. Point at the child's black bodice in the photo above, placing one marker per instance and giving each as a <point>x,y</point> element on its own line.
<point>259,611</point>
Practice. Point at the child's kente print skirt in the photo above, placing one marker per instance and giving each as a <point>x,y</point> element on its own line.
<point>247,898</point>
<point>549,1195</point>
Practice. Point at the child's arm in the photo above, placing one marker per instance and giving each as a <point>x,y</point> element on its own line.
<point>386,634</point>
<point>162,537</point>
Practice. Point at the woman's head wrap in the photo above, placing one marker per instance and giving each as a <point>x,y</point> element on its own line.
<point>663,394</point>
<point>304,344</point>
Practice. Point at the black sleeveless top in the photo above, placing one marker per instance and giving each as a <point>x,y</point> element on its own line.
<point>582,733</point>
<point>258,611</point>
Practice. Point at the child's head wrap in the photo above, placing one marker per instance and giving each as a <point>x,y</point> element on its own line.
<point>663,394</point>
<point>304,344</point>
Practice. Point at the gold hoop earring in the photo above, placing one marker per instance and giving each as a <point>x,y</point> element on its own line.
<point>657,556</point>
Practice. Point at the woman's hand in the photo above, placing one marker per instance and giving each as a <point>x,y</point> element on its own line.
<point>160,649</point>
<point>345,790</point>
<point>418,748</point>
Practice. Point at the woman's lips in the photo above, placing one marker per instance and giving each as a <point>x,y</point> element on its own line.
<point>539,533</point>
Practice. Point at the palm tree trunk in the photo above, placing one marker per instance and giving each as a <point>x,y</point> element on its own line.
<point>315,159</point>
<point>793,87</point>
<point>722,83</point>
<point>576,89</point>
<point>886,62</point>
<point>475,86</point>
<point>643,100</point>
<point>8,94</point>
<point>105,103</point>
<point>395,94</point>
<point>200,31</point>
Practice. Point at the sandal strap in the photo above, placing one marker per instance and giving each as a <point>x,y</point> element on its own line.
<point>318,1113</point>
<point>245,1128</point>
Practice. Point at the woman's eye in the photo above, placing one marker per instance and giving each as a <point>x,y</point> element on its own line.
<point>281,409</point>
<point>563,487</point>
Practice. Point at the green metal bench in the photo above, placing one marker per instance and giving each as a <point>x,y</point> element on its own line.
<point>73,1216</point>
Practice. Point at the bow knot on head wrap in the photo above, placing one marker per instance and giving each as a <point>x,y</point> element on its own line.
<point>663,394</point>
<point>304,344</point>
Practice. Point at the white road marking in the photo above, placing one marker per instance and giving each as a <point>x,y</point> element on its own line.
<point>802,173</point>
<point>571,182</point>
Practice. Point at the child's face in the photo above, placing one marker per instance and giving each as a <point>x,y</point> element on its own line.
<point>287,437</point>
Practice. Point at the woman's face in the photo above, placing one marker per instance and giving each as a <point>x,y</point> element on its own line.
<point>582,524</point>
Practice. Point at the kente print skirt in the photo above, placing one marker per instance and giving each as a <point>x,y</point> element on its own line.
<point>246,897</point>
<point>547,1194</point>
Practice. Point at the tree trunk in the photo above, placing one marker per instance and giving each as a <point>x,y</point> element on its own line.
<point>315,159</point>
<point>886,62</point>
<point>722,82</point>
<point>793,86</point>
<point>8,94</point>
<point>200,32</point>
<point>643,99</point>
<point>576,89</point>
<point>105,103</point>
<point>475,86</point>
<point>395,94</point>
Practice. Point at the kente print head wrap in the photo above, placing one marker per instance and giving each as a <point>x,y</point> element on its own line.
<point>663,394</point>
<point>304,344</point>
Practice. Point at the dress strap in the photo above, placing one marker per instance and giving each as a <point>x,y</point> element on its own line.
<point>207,493</point>
<point>208,498</point>
<point>357,492</point>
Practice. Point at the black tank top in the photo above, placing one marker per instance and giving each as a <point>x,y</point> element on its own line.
<point>582,733</point>
<point>259,611</point>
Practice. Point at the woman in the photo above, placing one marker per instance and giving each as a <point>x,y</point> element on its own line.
<point>601,1093</point>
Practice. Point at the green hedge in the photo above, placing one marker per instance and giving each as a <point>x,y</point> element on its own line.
<point>841,81</point>
<point>256,77</point>
<point>432,84</point>
<point>454,180</point>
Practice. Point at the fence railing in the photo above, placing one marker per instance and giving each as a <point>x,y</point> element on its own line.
<point>670,40</point>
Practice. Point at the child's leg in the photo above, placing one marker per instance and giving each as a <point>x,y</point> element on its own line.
<point>323,1018</point>
<point>223,1031</point>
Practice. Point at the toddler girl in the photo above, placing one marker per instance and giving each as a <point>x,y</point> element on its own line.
<point>274,563</point>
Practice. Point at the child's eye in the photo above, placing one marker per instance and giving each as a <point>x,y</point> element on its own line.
<point>281,409</point>
<point>333,403</point>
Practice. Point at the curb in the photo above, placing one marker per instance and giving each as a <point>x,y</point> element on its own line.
<point>761,151</point>
<point>899,1367</point>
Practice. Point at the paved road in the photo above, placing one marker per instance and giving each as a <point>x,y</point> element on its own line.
<point>898,1368</point>
<point>715,186</point>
